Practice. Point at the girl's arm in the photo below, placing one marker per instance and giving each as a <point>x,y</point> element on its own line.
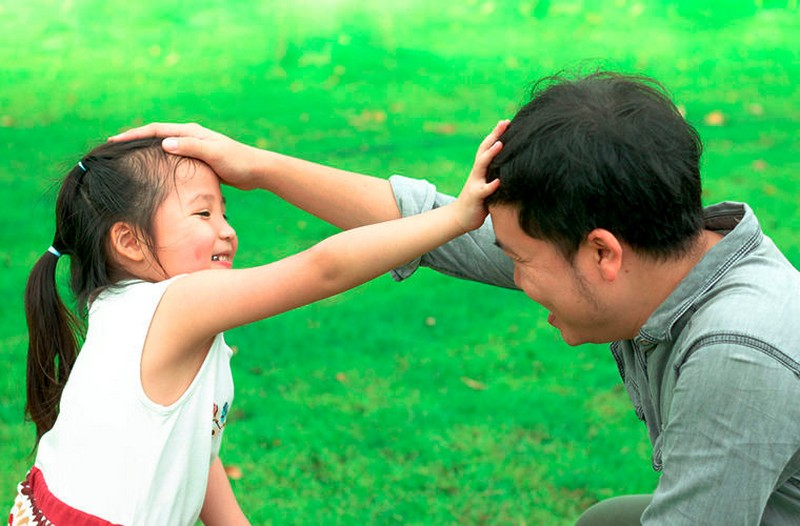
<point>220,506</point>
<point>198,306</point>
<point>344,199</point>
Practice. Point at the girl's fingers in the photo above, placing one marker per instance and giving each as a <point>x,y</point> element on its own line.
<point>489,188</point>
<point>494,135</point>
<point>485,157</point>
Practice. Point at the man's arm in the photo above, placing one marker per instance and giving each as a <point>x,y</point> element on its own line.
<point>342,198</point>
<point>473,256</point>
<point>730,438</point>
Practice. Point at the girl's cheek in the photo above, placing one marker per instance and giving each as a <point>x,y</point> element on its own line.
<point>201,255</point>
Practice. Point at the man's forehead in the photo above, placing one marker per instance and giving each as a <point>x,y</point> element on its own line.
<point>506,226</point>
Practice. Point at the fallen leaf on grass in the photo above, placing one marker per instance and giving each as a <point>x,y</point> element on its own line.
<point>714,118</point>
<point>233,472</point>
<point>367,118</point>
<point>474,384</point>
<point>440,128</point>
<point>755,109</point>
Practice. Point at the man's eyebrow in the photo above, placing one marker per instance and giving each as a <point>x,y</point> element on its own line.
<point>507,251</point>
<point>499,244</point>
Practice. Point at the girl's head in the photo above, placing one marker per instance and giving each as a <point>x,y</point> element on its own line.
<point>127,210</point>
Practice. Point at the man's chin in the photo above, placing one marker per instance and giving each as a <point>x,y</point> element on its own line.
<point>572,339</point>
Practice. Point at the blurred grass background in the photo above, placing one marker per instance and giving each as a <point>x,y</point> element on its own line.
<point>433,401</point>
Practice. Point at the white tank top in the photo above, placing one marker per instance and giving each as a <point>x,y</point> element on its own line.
<point>113,452</point>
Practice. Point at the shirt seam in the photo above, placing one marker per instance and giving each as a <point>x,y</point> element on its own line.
<point>742,340</point>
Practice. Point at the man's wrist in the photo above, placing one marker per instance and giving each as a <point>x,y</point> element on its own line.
<point>264,167</point>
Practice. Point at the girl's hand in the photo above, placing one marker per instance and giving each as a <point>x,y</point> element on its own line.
<point>232,161</point>
<point>472,211</point>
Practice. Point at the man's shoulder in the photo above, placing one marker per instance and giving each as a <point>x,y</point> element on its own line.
<point>747,311</point>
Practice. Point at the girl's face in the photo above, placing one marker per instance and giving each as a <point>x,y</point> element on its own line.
<point>190,229</point>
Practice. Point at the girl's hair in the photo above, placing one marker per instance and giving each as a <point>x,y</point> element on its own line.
<point>115,182</point>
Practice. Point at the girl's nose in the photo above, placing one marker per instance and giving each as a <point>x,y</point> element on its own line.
<point>226,231</point>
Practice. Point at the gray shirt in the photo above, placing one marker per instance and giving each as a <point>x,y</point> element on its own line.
<point>714,373</point>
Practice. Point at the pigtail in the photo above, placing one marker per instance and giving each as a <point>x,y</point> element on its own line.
<point>114,182</point>
<point>53,332</point>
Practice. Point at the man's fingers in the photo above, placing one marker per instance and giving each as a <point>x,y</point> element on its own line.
<point>160,129</point>
<point>142,132</point>
<point>187,140</point>
<point>188,147</point>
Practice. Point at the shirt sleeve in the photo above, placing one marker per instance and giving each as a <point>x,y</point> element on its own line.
<point>730,439</point>
<point>473,256</point>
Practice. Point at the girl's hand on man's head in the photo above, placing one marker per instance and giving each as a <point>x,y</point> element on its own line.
<point>476,189</point>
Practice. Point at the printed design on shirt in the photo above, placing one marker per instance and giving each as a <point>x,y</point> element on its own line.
<point>220,419</point>
<point>25,512</point>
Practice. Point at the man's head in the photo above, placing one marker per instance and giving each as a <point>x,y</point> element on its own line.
<point>602,151</point>
<point>600,196</point>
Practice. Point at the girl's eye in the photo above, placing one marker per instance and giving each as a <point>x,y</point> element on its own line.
<point>204,213</point>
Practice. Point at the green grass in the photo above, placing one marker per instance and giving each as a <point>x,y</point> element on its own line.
<point>432,401</point>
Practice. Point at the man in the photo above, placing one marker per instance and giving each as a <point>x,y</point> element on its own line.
<point>599,214</point>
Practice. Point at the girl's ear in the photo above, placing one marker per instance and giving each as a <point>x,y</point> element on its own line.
<point>607,253</point>
<point>125,243</point>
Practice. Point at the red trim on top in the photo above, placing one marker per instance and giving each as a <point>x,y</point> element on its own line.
<point>48,506</point>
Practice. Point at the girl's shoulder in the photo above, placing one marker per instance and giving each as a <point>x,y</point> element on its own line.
<point>131,292</point>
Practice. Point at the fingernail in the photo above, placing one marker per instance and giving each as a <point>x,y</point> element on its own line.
<point>170,144</point>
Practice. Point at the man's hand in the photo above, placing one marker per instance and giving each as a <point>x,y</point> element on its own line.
<point>232,161</point>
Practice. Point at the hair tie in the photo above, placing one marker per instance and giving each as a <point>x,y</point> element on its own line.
<point>80,163</point>
<point>53,251</point>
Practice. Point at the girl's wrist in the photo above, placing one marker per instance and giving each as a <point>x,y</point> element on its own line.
<point>462,216</point>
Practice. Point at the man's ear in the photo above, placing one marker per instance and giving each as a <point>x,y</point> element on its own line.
<point>125,243</point>
<point>606,253</point>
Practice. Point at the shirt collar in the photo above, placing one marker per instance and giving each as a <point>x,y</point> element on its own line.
<point>739,225</point>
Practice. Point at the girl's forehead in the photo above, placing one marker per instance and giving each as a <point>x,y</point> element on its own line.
<point>193,183</point>
<point>195,175</point>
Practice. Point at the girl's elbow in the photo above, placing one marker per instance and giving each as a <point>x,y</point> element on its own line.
<point>326,264</point>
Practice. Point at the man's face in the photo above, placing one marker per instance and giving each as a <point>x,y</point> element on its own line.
<point>567,290</point>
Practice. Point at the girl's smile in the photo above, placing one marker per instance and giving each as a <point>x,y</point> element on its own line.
<point>191,230</point>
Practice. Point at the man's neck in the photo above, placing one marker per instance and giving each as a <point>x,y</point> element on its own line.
<point>655,280</point>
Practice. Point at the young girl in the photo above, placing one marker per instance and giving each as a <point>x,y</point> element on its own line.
<point>129,429</point>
